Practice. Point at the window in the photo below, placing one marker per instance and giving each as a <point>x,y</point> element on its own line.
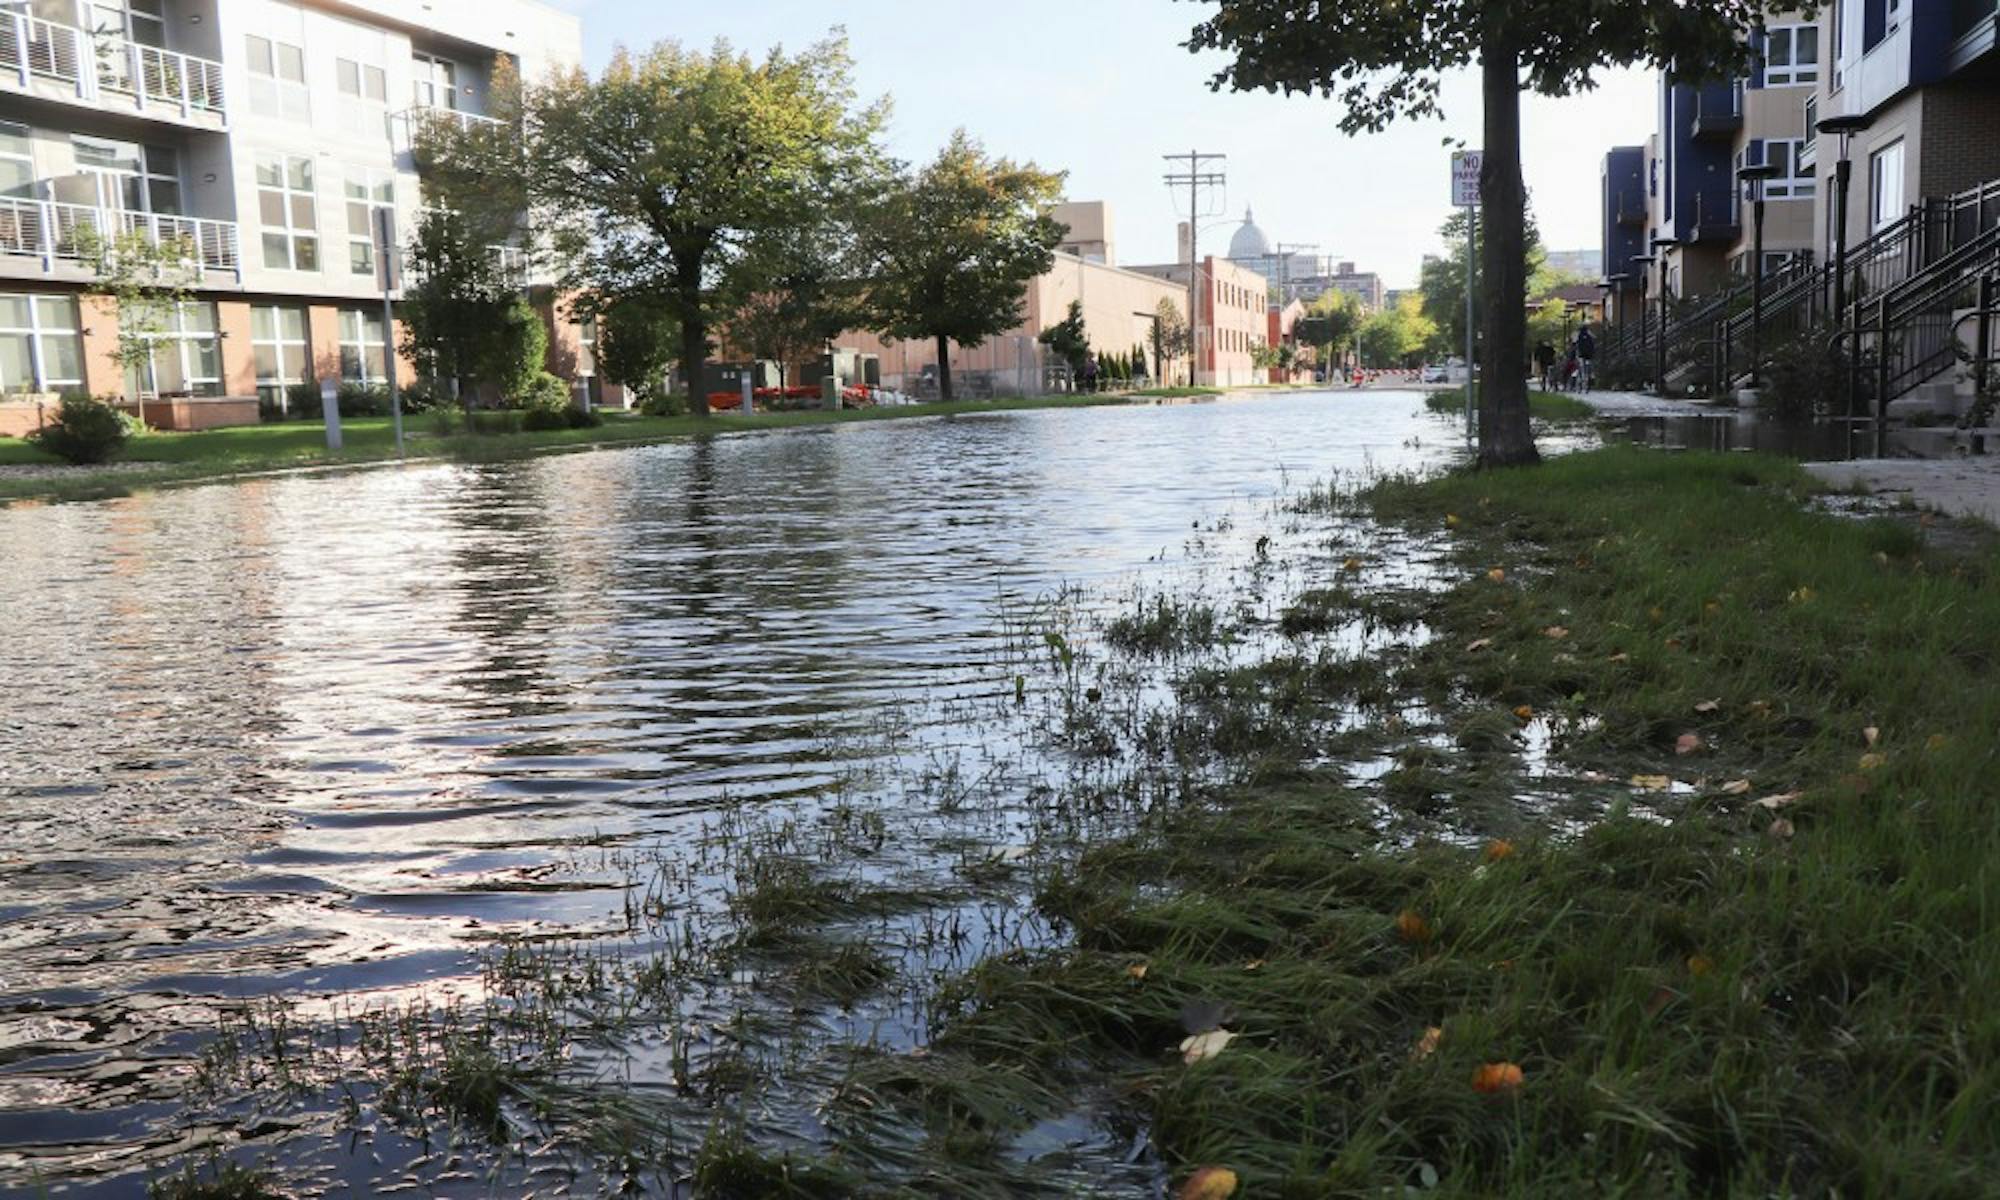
<point>130,177</point>
<point>278,80</point>
<point>278,348</point>
<point>1808,146</point>
<point>40,349</point>
<point>182,358</point>
<point>436,81</point>
<point>586,346</point>
<point>1794,182</point>
<point>367,190</point>
<point>285,207</point>
<point>1885,185</point>
<point>140,21</point>
<point>1791,55</point>
<point>364,98</point>
<point>17,164</point>
<point>364,347</point>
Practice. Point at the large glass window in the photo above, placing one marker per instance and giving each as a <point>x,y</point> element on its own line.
<point>364,346</point>
<point>1791,55</point>
<point>278,79</point>
<point>288,212</point>
<point>1885,185</point>
<point>1793,182</point>
<point>364,97</point>
<point>436,81</point>
<point>40,347</point>
<point>129,177</point>
<point>279,348</point>
<point>17,163</point>
<point>368,191</point>
<point>183,358</point>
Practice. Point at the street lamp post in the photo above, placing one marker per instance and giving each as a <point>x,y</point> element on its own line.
<point>1614,287</point>
<point>1641,264</point>
<point>1660,247</point>
<point>1844,128</point>
<point>1755,177</point>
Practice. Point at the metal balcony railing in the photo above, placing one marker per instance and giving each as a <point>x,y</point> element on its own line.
<point>52,232</point>
<point>464,120</point>
<point>31,48</point>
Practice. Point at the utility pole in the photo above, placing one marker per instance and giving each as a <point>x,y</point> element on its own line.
<point>1285,250</point>
<point>1199,174</point>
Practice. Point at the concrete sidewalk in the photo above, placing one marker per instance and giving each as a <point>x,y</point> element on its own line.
<point>1958,487</point>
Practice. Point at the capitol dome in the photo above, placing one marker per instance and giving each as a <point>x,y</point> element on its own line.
<point>1249,241</point>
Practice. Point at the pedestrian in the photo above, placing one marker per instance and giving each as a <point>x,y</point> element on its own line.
<point>1545,362</point>
<point>1569,369</point>
<point>1586,354</point>
<point>1090,372</point>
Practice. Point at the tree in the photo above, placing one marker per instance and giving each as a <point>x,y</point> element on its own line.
<point>661,180</point>
<point>1384,58</point>
<point>457,309</point>
<point>635,346</point>
<point>955,246</point>
<point>1068,338</point>
<point>1395,336</point>
<point>1442,283</point>
<point>1171,335</point>
<point>806,286</point>
<point>149,282</point>
<point>1330,324</point>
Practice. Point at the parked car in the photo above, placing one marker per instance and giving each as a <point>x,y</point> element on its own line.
<point>1436,374</point>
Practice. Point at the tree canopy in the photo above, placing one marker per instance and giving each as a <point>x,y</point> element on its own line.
<point>1384,60</point>
<point>953,247</point>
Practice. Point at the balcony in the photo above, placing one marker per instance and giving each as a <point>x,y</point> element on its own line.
<point>1718,115</point>
<point>1715,223</point>
<point>58,233</point>
<point>58,61</point>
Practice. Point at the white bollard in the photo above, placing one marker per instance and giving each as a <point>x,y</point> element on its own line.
<point>329,404</point>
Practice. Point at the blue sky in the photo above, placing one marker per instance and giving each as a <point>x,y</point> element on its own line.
<point>1101,89</point>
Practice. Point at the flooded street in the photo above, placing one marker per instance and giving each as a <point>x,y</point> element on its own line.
<point>334,736</point>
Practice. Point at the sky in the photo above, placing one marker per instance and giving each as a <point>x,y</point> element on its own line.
<point>1102,89</point>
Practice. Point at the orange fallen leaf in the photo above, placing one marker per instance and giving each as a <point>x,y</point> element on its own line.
<point>1673,643</point>
<point>1352,565</point>
<point>1498,849</point>
<point>1652,783</point>
<point>1427,1045</point>
<point>1412,927</point>
<point>1497,575</point>
<point>1136,970</point>
<point>1494,1078</point>
<point>1524,711</point>
<point>1657,614</point>
<point>1711,608</point>
<point>1700,964</point>
<point>1687,743</point>
<point>1209,1183</point>
<point>1657,1002</point>
<point>1451,520</point>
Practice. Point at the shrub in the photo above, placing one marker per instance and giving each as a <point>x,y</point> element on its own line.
<point>541,391</point>
<point>542,420</point>
<point>364,399</point>
<point>663,404</point>
<point>1804,377</point>
<point>86,430</point>
<point>425,395</point>
<point>579,419</point>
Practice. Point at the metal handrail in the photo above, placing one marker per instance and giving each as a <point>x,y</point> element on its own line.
<point>53,231</point>
<point>32,46</point>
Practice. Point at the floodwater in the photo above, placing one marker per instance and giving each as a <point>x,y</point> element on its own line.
<point>332,736</point>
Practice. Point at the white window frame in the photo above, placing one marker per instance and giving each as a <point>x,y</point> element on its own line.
<point>433,78</point>
<point>25,157</point>
<point>288,192</point>
<point>40,331</point>
<point>359,350</point>
<point>267,333</point>
<point>377,190</point>
<point>186,341</point>
<point>364,101</point>
<point>1881,215</point>
<point>148,173</point>
<point>1798,183</point>
<point>279,87</point>
<point>1791,72</point>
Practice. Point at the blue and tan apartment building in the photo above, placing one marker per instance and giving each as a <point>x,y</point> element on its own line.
<point>268,135</point>
<point>1923,72</point>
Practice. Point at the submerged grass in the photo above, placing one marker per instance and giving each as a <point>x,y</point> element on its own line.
<point>1767,970</point>
<point>1542,406</point>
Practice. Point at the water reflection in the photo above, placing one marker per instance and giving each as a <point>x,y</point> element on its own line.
<point>330,734</point>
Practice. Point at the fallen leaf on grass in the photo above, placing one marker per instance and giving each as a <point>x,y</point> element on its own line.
<point>1707,706</point>
<point>1652,783</point>
<point>1657,1002</point>
<point>1700,964</point>
<point>1936,742</point>
<point>1427,1045</point>
<point>1255,964</point>
<point>1673,643</point>
<point>1352,565</point>
<point>1870,736</point>
<point>1687,743</point>
<point>1451,520</point>
<point>1209,1183</point>
<point>1525,712</point>
<point>1476,647</point>
<point>1200,1046</point>
<point>1412,927</point>
<point>1869,762</point>
<point>1782,800</point>
<point>1736,787</point>
<point>1801,595</point>
<point>1136,970</point>
<point>1555,633</point>
<point>1621,656</point>
<point>1494,1078</point>
<point>1497,575</point>
<point>1781,829</point>
<point>1498,849</point>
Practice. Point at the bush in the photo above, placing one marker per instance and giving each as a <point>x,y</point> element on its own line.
<point>542,420</point>
<point>663,404</point>
<point>1804,377</point>
<point>364,399</point>
<point>541,391</point>
<point>86,430</point>
<point>579,419</point>
<point>425,395</point>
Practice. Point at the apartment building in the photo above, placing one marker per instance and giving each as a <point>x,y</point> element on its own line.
<point>267,133</point>
<point>1234,305</point>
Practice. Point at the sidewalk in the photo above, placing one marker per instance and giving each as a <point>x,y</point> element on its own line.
<point>1959,487</point>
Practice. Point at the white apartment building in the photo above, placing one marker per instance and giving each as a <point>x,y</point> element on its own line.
<point>267,132</point>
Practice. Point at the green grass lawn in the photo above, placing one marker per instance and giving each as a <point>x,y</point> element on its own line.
<point>277,446</point>
<point>1542,406</point>
<point>1767,965</point>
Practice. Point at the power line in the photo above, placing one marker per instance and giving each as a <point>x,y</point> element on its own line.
<point>1200,173</point>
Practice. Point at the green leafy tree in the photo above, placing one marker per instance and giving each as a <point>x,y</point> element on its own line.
<point>148,282</point>
<point>1442,283</point>
<point>636,344</point>
<point>1068,338</point>
<point>1330,323</point>
<point>807,285</point>
<point>954,246</point>
<point>1395,336</point>
<point>662,179</point>
<point>1384,60</point>
<point>458,320</point>
<point>523,351</point>
<point>1171,336</point>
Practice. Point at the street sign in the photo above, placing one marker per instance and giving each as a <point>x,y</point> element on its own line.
<point>1465,166</point>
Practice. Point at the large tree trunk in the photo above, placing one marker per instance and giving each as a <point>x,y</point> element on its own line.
<point>944,367</point>
<point>1505,439</point>
<point>694,361</point>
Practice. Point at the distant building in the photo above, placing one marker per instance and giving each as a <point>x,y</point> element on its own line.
<point>1577,262</point>
<point>1234,306</point>
<point>1090,235</point>
<point>1294,274</point>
